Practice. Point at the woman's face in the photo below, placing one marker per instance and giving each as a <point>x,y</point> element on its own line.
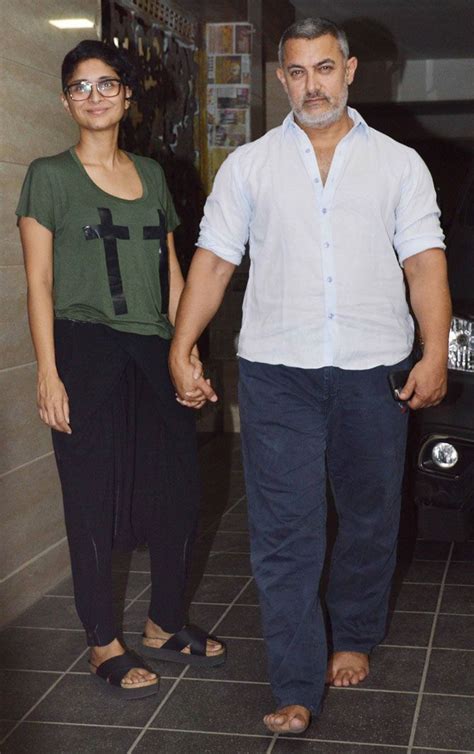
<point>98,112</point>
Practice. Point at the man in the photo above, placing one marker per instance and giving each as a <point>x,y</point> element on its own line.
<point>339,218</point>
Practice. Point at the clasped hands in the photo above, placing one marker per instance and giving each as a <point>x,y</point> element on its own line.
<point>187,375</point>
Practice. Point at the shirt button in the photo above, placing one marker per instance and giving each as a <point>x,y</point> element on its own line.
<point>326,244</point>
<point>307,150</point>
<point>331,316</point>
<point>329,279</point>
<point>324,210</point>
<point>316,180</point>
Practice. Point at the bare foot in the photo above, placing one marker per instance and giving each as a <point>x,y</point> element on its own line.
<point>154,636</point>
<point>136,677</point>
<point>347,668</point>
<point>291,719</point>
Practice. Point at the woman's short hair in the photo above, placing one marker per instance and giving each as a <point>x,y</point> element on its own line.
<point>116,58</point>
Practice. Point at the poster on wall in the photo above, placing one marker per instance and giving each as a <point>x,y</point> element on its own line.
<point>229,48</point>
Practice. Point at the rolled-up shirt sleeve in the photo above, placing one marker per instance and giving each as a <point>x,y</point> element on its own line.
<point>224,228</point>
<point>417,224</point>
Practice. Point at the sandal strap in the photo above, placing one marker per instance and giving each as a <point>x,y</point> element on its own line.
<point>116,668</point>
<point>189,636</point>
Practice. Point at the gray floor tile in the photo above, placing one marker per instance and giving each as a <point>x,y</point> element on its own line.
<point>242,620</point>
<point>80,699</point>
<point>451,672</point>
<point>234,522</point>
<point>224,707</point>
<point>423,571</point>
<point>231,542</point>
<point>460,573</point>
<point>246,661</point>
<point>419,750</point>
<point>35,649</point>
<point>371,716</point>
<point>419,597</point>
<point>138,560</point>
<point>219,588</point>
<point>5,727</point>
<point>463,551</point>
<point>200,743</point>
<point>409,629</point>
<point>68,739</point>
<point>426,550</point>
<point>238,565</point>
<point>51,612</point>
<point>445,722</point>
<point>250,596</point>
<point>458,599</point>
<point>455,632</point>
<point>298,746</point>
<point>21,690</point>
<point>396,669</point>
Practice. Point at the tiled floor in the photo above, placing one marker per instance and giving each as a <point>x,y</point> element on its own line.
<point>418,698</point>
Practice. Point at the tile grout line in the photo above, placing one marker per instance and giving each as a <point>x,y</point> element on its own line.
<point>272,744</point>
<point>416,714</point>
<point>181,676</point>
<point>27,463</point>
<point>58,680</point>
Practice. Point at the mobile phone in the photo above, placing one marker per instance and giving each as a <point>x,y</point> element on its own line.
<point>396,381</point>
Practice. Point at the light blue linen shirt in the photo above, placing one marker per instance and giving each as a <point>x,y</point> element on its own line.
<point>326,285</point>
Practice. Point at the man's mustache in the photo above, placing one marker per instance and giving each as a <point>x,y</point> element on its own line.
<point>316,96</point>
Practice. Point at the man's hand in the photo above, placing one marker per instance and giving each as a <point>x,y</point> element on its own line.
<point>426,384</point>
<point>192,389</point>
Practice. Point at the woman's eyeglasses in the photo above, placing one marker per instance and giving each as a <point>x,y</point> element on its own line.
<point>82,90</point>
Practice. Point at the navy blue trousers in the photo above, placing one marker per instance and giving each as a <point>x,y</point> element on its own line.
<point>297,426</point>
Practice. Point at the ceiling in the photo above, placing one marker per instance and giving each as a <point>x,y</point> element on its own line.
<point>400,29</point>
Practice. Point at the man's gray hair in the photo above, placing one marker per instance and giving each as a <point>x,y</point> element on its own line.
<point>312,28</point>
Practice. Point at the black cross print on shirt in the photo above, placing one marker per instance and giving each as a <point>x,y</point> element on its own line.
<point>109,234</point>
<point>158,232</point>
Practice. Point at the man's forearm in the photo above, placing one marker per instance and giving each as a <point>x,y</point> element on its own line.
<point>430,300</point>
<point>203,293</point>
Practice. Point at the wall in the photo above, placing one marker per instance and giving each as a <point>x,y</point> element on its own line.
<point>33,551</point>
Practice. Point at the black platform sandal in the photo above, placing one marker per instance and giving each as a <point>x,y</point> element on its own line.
<point>189,636</point>
<point>111,673</point>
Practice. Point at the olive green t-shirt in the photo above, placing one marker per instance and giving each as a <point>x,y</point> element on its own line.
<point>110,255</point>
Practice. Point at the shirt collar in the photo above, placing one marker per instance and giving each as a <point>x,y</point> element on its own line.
<point>356,117</point>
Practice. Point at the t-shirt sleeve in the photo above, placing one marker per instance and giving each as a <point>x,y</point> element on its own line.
<point>36,198</point>
<point>163,194</point>
<point>417,225</point>
<point>172,217</point>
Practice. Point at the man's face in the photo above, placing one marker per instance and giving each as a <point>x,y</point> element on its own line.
<point>316,77</point>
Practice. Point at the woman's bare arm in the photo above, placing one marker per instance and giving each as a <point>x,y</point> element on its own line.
<point>37,242</point>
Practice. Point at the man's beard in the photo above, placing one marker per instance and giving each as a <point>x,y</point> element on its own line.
<point>326,118</point>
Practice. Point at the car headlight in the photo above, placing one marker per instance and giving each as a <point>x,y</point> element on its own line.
<point>461,345</point>
<point>444,455</point>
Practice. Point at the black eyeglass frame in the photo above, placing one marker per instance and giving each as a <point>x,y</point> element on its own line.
<point>91,84</point>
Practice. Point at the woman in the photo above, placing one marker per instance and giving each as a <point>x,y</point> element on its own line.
<point>96,226</point>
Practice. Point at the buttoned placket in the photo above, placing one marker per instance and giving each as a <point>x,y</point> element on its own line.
<point>324,197</point>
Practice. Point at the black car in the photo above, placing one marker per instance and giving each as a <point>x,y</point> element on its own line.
<point>442,440</point>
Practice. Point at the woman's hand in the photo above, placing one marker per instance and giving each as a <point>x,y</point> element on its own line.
<point>53,403</point>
